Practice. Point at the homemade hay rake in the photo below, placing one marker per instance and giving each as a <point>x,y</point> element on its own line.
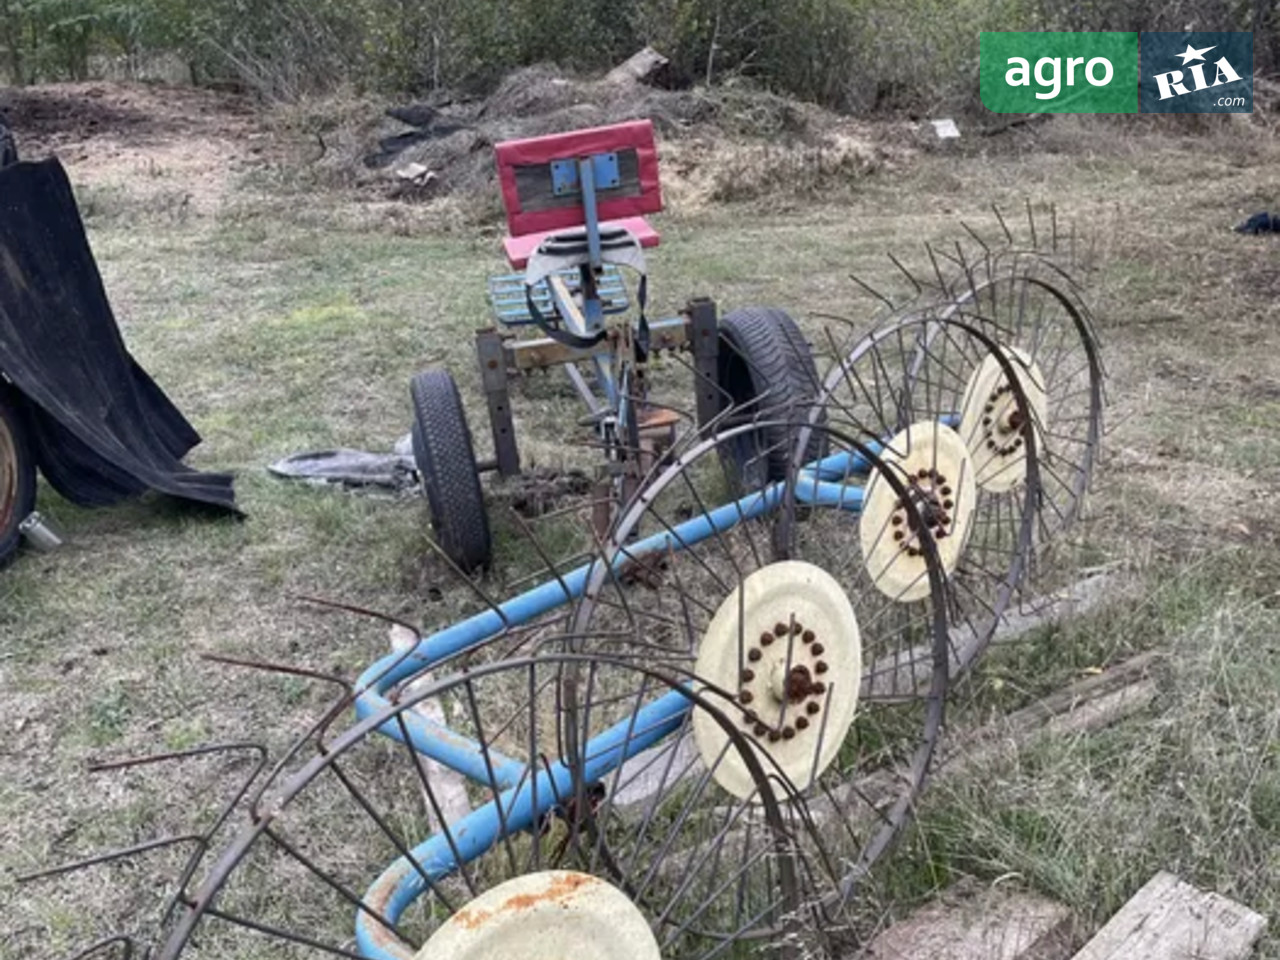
<point>700,738</point>
<point>576,205</point>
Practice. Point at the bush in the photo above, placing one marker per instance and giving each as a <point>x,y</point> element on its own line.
<point>917,56</point>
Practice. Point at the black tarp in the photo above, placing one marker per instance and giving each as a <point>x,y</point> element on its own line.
<point>102,429</point>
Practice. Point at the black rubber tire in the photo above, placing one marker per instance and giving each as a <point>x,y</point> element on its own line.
<point>447,467</point>
<point>8,147</point>
<point>762,353</point>
<point>17,473</point>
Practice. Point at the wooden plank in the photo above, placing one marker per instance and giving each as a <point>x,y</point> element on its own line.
<point>449,786</point>
<point>536,192</point>
<point>996,923</point>
<point>1090,704</point>
<point>1171,920</point>
<point>906,673</point>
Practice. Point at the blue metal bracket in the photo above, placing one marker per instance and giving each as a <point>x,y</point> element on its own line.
<point>565,181</point>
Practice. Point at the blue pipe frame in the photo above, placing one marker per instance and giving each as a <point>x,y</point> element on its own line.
<point>526,794</point>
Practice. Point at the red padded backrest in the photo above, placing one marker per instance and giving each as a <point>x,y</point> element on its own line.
<point>524,171</point>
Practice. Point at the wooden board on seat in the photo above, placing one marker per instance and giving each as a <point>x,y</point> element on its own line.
<point>524,173</point>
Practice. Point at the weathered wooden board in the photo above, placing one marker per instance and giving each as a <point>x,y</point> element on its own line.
<point>449,787</point>
<point>994,924</point>
<point>1171,920</point>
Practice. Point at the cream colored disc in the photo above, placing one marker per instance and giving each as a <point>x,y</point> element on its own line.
<point>932,461</point>
<point>991,422</point>
<point>787,641</point>
<point>551,915</point>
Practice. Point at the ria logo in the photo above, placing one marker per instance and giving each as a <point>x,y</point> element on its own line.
<point>1197,73</point>
<point>1171,84</point>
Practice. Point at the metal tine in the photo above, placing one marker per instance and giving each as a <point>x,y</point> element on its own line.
<point>948,257</point>
<point>280,933</point>
<point>353,608</point>
<point>872,291</point>
<point>937,271</point>
<point>119,940</point>
<point>1003,226</point>
<point>200,840</point>
<point>124,763</point>
<point>976,236</point>
<point>1031,224</point>
<point>318,730</point>
<point>1053,227</point>
<point>550,565</point>
<point>112,856</point>
<point>473,709</point>
<point>329,880</point>
<point>576,560</point>
<point>475,587</point>
<point>269,667</point>
<point>227,809</point>
<point>582,807</point>
<point>701,379</point>
<point>845,375</point>
<point>905,272</point>
<point>968,273</point>
<point>401,847</point>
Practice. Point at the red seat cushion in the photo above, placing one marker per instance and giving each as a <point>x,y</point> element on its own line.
<point>519,249</point>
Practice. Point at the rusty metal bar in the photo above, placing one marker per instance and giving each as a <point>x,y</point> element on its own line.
<point>703,329</point>
<point>491,352</point>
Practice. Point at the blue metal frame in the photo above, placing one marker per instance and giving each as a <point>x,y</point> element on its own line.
<point>529,794</point>
<point>584,177</point>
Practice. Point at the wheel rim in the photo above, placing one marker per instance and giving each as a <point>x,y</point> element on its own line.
<point>547,915</point>
<point>861,802</point>
<point>1031,307</point>
<point>916,370</point>
<point>705,868</point>
<point>9,472</point>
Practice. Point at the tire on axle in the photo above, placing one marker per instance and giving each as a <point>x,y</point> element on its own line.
<point>766,370</point>
<point>446,462</point>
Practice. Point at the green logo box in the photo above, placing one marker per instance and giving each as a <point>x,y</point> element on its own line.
<point>1059,72</point>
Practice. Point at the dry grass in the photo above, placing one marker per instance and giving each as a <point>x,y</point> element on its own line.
<point>283,322</point>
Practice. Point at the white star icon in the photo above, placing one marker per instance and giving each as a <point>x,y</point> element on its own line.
<point>1191,53</point>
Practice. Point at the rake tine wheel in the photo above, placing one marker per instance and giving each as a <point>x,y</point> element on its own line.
<point>838,684</point>
<point>1007,358</point>
<point>600,826</point>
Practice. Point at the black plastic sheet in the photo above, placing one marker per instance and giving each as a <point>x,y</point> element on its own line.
<point>102,429</point>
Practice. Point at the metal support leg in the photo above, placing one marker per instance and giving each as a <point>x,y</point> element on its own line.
<point>704,335</point>
<point>492,354</point>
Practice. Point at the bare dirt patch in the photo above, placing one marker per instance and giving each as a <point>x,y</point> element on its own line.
<point>153,138</point>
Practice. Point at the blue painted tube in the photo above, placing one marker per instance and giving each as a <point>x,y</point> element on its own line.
<point>811,490</point>
<point>400,884</point>
<point>849,463</point>
<point>590,213</point>
<point>441,744</point>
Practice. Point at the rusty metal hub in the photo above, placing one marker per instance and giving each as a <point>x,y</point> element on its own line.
<point>993,421</point>
<point>935,467</point>
<point>789,649</point>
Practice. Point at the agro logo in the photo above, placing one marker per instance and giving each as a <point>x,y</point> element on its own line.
<point>1059,72</point>
<point>1197,73</point>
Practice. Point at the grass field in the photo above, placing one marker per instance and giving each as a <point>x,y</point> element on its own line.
<point>281,320</point>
